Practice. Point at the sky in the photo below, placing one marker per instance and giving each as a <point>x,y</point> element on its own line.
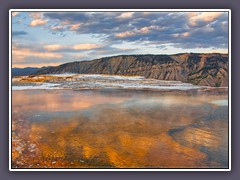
<point>53,38</point>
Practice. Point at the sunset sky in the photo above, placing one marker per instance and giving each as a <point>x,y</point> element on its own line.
<point>52,38</point>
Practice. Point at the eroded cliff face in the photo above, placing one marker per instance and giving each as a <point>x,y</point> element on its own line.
<point>198,69</point>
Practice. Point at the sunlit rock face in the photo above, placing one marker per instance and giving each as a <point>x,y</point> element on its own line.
<point>118,128</point>
<point>198,69</point>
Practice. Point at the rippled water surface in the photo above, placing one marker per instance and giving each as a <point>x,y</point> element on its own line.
<point>118,129</point>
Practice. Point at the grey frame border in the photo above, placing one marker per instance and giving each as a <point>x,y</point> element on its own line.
<point>5,5</point>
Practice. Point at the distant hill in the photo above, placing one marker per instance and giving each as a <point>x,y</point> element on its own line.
<point>199,69</point>
<point>26,71</point>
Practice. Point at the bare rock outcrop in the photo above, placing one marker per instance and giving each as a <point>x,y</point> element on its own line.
<point>199,69</point>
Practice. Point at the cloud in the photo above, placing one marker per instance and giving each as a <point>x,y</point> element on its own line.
<point>109,51</point>
<point>145,30</point>
<point>89,23</point>
<point>71,16</point>
<point>134,26</point>
<point>57,28</point>
<point>38,22</point>
<point>93,50</point>
<point>37,19</point>
<point>53,47</point>
<point>186,34</point>
<point>36,15</point>
<point>192,28</point>
<point>124,34</point>
<point>141,31</point>
<point>196,18</point>
<point>34,56</point>
<point>19,33</point>
<point>72,48</point>
<point>86,46</point>
<point>125,15</point>
<point>21,53</point>
<point>15,13</point>
<point>25,55</point>
<point>75,26</point>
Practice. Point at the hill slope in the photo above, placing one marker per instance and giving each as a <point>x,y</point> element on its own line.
<point>198,69</point>
<point>24,71</point>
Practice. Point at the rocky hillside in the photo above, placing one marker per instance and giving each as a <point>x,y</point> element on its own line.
<point>198,69</point>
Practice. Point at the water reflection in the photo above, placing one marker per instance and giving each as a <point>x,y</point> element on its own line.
<point>96,129</point>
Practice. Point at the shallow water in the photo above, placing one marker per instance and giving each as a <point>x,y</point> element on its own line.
<point>118,129</point>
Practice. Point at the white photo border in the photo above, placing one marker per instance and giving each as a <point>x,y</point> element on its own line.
<point>119,10</point>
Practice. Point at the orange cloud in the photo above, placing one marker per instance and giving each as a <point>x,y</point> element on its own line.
<point>124,34</point>
<point>19,54</point>
<point>37,19</point>
<point>202,16</point>
<point>15,13</point>
<point>75,26</point>
<point>86,46</point>
<point>125,15</point>
<point>55,47</point>
<point>185,34</point>
<point>145,30</point>
<point>38,22</point>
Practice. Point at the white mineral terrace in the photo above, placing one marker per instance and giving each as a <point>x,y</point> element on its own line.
<point>96,81</point>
